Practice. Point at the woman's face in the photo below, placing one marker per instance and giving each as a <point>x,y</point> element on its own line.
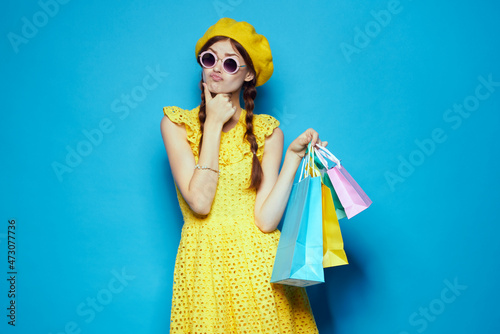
<point>217,80</point>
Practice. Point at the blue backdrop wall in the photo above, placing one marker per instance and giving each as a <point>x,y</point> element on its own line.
<point>406,92</point>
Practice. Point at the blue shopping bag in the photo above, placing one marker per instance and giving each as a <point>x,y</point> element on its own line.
<point>299,257</point>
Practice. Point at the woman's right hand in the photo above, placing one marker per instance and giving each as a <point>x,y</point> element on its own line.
<point>219,109</point>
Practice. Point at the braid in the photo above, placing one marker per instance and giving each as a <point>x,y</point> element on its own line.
<point>249,94</point>
<point>202,115</point>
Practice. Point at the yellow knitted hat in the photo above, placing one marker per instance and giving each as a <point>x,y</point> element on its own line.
<point>244,33</point>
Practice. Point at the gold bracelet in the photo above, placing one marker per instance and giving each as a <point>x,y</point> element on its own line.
<point>206,168</point>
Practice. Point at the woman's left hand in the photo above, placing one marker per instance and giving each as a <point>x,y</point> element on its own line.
<point>299,145</point>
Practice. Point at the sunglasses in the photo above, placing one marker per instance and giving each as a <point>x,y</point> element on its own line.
<point>230,64</point>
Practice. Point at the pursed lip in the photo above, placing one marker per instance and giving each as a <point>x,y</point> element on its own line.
<point>215,77</point>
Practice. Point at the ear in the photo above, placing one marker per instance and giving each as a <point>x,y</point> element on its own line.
<point>249,76</point>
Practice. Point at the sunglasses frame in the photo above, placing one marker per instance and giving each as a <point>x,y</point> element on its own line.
<point>223,61</point>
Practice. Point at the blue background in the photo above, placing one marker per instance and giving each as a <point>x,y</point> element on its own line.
<point>374,90</point>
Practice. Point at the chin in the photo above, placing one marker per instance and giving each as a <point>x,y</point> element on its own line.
<point>220,90</point>
<point>215,88</point>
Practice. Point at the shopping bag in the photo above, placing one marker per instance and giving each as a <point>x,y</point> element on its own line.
<point>333,245</point>
<point>339,209</point>
<point>353,198</point>
<point>323,167</point>
<point>299,257</point>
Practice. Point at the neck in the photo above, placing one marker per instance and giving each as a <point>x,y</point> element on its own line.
<point>231,123</point>
<point>235,100</point>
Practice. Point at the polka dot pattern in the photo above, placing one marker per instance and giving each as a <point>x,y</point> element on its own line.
<point>224,262</point>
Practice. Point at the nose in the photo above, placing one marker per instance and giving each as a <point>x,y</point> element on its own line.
<point>217,66</point>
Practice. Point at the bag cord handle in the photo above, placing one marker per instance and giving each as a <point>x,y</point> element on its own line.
<point>323,153</point>
<point>308,167</point>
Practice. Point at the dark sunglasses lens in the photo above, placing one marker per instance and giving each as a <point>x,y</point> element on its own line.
<point>230,65</point>
<point>208,60</point>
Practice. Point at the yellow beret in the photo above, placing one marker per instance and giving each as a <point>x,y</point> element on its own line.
<point>244,33</point>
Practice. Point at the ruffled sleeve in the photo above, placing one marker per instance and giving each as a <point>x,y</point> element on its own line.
<point>264,126</point>
<point>188,118</point>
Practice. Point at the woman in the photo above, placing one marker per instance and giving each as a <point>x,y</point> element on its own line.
<point>225,162</point>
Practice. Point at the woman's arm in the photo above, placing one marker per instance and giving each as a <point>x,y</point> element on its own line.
<point>197,186</point>
<point>272,196</point>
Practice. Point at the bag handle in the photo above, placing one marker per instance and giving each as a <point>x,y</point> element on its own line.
<point>321,158</point>
<point>308,167</point>
<point>323,152</point>
<point>302,166</point>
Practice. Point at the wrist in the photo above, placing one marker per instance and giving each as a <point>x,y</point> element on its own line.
<point>293,157</point>
<point>292,161</point>
<point>212,126</point>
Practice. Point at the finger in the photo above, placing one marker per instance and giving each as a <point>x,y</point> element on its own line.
<point>208,95</point>
<point>314,137</point>
<point>305,139</point>
<point>321,143</point>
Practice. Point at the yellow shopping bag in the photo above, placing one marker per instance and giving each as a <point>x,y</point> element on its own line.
<point>333,245</point>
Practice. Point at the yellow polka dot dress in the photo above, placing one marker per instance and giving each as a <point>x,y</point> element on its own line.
<point>224,262</point>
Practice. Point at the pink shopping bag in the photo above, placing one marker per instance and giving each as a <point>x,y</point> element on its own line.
<point>353,198</point>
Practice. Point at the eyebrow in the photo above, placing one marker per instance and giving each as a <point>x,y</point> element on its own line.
<point>226,54</point>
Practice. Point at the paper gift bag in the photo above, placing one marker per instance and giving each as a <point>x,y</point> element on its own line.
<point>351,195</point>
<point>353,198</point>
<point>321,163</point>
<point>333,245</point>
<point>299,257</point>
<point>339,209</point>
